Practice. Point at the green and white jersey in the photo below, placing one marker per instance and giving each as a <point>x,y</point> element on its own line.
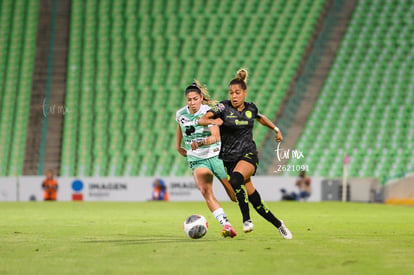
<point>192,132</point>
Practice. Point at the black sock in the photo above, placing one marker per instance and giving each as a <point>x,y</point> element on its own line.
<point>262,209</point>
<point>236,181</point>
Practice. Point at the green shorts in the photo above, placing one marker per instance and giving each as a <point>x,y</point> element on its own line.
<point>214,164</point>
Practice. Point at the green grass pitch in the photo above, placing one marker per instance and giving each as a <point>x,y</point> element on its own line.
<point>148,238</point>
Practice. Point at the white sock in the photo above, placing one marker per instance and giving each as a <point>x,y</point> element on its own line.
<point>220,216</point>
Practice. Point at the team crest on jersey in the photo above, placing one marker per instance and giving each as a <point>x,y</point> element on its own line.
<point>248,114</point>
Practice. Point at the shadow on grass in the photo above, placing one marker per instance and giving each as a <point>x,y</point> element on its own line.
<point>146,240</point>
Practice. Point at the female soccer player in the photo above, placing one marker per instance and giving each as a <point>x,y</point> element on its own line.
<point>201,147</point>
<point>238,152</point>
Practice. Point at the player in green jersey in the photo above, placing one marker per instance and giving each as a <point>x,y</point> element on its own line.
<point>201,147</point>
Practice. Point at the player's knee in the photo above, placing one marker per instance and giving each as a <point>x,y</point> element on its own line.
<point>205,191</point>
<point>236,180</point>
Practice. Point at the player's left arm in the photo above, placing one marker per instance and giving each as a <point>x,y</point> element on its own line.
<point>215,137</point>
<point>269,124</point>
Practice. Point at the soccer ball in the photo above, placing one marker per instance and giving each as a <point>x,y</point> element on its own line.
<point>195,226</point>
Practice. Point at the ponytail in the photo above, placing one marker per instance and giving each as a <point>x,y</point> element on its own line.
<point>241,78</point>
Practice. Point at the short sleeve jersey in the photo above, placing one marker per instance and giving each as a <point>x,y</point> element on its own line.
<point>192,132</point>
<point>237,129</point>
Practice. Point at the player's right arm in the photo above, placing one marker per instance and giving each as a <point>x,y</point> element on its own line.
<point>209,119</point>
<point>178,139</point>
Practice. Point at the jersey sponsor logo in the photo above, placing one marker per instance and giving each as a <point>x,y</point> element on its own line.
<point>248,114</point>
<point>241,122</point>
<point>231,115</point>
<point>189,130</point>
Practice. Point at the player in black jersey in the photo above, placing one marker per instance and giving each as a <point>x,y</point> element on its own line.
<point>238,149</point>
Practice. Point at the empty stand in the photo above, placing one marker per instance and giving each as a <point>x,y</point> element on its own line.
<point>129,64</point>
<point>365,107</point>
<point>18,29</point>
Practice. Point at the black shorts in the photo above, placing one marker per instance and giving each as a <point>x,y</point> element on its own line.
<point>249,157</point>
